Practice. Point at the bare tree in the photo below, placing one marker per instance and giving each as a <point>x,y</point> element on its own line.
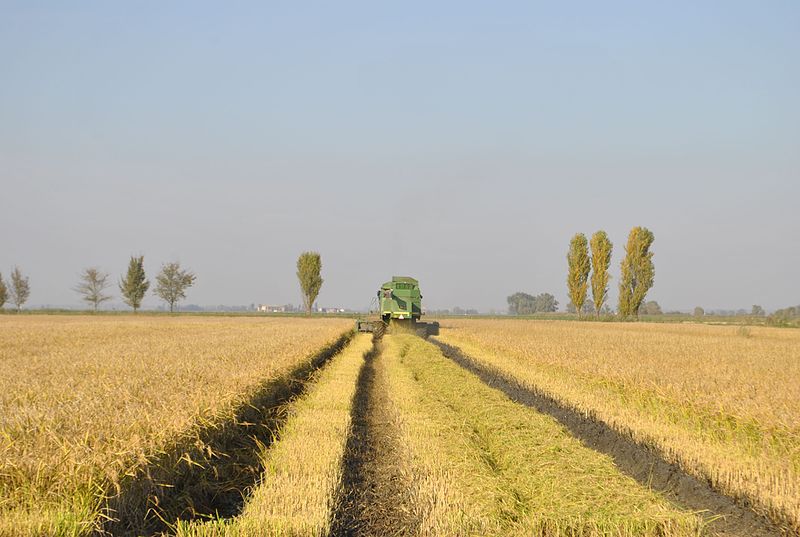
<point>172,283</point>
<point>3,292</point>
<point>20,288</point>
<point>93,283</point>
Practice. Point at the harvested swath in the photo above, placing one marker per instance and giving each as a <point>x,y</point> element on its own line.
<point>722,406</point>
<point>376,496</point>
<point>303,470</point>
<point>222,461</point>
<point>484,465</point>
<point>86,402</point>
<point>724,518</point>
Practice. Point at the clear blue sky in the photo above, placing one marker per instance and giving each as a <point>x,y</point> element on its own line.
<point>460,142</point>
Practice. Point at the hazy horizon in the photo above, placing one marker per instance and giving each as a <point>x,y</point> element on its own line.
<point>459,143</point>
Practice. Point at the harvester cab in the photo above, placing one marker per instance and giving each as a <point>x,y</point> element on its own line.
<point>399,304</point>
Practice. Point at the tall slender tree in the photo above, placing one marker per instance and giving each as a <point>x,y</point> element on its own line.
<point>20,288</point>
<point>3,292</point>
<point>601,260</point>
<point>172,283</point>
<point>309,268</point>
<point>134,284</point>
<point>638,272</point>
<point>92,285</point>
<point>578,275</point>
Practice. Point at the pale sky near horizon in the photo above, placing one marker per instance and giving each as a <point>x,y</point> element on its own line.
<point>462,143</point>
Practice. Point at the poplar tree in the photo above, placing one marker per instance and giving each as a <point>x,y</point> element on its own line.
<point>93,283</point>
<point>578,275</point>
<point>3,292</point>
<point>309,267</point>
<point>134,285</point>
<point>601,260</point>
<point>172,283</point>
<point>638,271</point>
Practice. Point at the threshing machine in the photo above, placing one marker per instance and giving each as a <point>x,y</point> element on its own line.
<point>399,305</point>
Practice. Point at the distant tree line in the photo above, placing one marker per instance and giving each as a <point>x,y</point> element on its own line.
<point>457,310</point>
<point>172,282</point>
<point>525,304</point>
<point>651,307</point>
<point>785,317</point>
<point>755,311</point>
<point>171,285</point>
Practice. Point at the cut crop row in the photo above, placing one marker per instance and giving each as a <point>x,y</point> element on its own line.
<point>302,480</point>
<point>723,406</point>
<point>465,460</point>
<point>484,465</point>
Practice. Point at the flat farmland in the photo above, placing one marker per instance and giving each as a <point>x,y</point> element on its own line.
<point>721,402</point>
<point>90,404</point>
<point>433,451</point>
<point>238,427</point>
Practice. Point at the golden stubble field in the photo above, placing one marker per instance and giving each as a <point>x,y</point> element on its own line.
<point>86,400</point>
<point>722,402</point>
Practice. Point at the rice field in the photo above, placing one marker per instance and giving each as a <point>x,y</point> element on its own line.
<point>483,465</point>
<point>231,427</point>
<point>722,403</point>
<point>302,476</point>
<point>472,462</point>
<point>86,402</point>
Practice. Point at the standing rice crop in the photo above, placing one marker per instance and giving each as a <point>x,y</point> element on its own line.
<point>87,402</point>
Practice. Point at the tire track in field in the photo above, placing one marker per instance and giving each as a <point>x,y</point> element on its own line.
<point>374,498</point>
<point>726,517</point>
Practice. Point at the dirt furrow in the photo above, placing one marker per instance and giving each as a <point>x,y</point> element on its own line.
<point>725,516</point>
<point>374,496</point>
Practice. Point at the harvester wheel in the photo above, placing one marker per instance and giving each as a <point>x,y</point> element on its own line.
<point>380,329</point>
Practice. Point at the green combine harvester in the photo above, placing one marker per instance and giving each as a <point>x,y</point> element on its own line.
<point>399,306</point>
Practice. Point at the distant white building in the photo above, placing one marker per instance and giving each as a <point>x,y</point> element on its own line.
<point>267,308</point>
<point>331,310</point>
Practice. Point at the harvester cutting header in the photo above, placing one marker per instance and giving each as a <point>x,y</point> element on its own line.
<point>399,305</point>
